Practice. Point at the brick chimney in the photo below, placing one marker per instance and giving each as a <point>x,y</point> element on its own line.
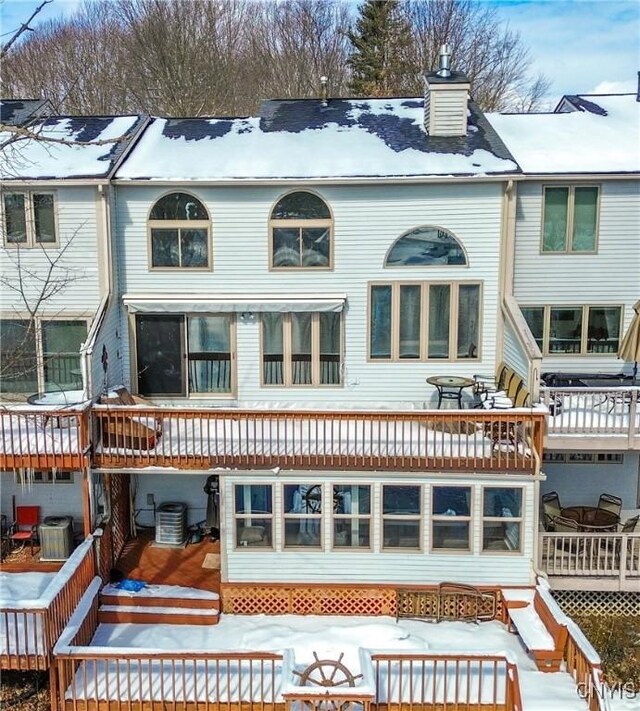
<point>446,99</point>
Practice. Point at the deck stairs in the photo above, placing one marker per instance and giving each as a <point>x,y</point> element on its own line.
<point>159,605</point>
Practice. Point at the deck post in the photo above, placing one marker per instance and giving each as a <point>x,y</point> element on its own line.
<point>624,542</point>
<point>86,502</point>
<point>53,685</point>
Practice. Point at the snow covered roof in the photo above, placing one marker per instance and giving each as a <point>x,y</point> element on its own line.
<point>347,138</point>
<point>586,134</point>
<point>90,147</point>
<point>16,112</point>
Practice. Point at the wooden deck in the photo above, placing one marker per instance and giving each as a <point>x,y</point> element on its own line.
<point>143,560</point>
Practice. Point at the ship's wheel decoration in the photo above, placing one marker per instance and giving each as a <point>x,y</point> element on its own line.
<point>327,672</point>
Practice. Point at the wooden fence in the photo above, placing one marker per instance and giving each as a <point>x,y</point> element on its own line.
<point>601,560</point>
<point>30,631</point>
<point>461,440</point>
<point>455,682</point>
<point>43,439</point>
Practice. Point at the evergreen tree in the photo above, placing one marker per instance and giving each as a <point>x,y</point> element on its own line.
<point>380,42</point>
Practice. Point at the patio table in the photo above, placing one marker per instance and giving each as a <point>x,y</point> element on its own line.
<point>591,519</point>
<point>450,387</point>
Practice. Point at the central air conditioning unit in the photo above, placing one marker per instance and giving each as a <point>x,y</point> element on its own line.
<point>171,524</point>
<point>56,537</point>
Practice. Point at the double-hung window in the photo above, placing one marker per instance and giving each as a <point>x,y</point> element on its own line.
<point>29,219</point>
<point>570,219</point>
<point>303,505</point>
<point>575,330</point>
<point>451,517</point>
<point>351,516</point>
<point>411,321</point>
<point>401,516</point>
<point>179,233</point>
<point>301,348</point>
<point>502,518</point>
<point>41,356</point>
<point>253,504</point>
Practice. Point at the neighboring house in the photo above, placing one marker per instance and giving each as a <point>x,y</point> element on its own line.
<point>55,262</point>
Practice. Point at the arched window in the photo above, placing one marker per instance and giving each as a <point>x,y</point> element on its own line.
<point>301,227</point>
<point>425,246</point>
<point>179,227</point>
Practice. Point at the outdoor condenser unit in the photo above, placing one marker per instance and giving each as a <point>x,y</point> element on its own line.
<point>56,537</point>
<point>171,524</point>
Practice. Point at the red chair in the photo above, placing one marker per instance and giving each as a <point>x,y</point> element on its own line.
<point>25,527</point>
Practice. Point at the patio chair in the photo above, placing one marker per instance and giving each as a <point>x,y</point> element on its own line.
<point>609,502</point>
<point>551,509</point>
<point>631,525</point>
<point>25,527</point>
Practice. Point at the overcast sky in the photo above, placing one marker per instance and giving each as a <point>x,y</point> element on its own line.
<point>583,46</point>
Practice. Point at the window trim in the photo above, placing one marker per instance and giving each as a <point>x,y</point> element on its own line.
<point>454,285</point>
<point>570,219</point>
<point>420,517</point>
<point>330,223</point>
<point>287,375</point>
<point>30,242</point>
<point>133,358</point>
<point>469,520</point>
<point>466,264</point>
<point>320,516</point>
<point>179,225</point>
<point>349,517</point>
<point>271,516</point>
<point>40,360</point>
<point>49,476</point>
<point>520,520</point>
<point>584,335</point>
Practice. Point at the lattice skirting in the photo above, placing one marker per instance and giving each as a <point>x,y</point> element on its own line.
<point>284,599</point>
<point>599,602</point>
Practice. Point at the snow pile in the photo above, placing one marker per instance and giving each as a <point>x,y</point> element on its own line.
<point>162,591</point>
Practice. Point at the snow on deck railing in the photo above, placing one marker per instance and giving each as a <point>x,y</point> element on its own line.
<point>581,659</point>
<point>31,627</point>
<point>414,440</point>
<point>42,437</point>
<point>453,679</point>
<point>592,411</point>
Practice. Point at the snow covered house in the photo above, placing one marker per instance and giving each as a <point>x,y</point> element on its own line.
<point>282,287</point>
<point>576,279</point>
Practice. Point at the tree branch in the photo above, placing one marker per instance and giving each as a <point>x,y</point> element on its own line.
<point>23,28</point>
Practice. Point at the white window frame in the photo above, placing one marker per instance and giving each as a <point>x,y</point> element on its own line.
<point>468,519</point>
<point>568,238</point>
<point>454,296</point>
<point>505,520</point>
<point>246,546</point>
<point>31,240</point>
<point>50,476</point>
<point>351,518</point>
<point>319,516</point>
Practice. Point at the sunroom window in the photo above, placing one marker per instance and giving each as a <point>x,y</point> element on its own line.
<point>351,516</point>
<point>179,233</point>
<point>570,221</point>
<point>401,515</point>
<point>303,515</point>
<point>301,232</point>
<point>253,514</point>
<point>301,348</point>
<point>575,330</point>
<point>424,321</point>
<point>451,517</point>
<point>29,219</point>
<point>502,518</point>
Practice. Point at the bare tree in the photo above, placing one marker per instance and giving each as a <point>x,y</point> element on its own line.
<point>24,27</point>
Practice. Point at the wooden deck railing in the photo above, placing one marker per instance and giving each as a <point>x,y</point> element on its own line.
<point>43,438</point>
<point>30,628</point>
<point>593,411</point>
<point>456,682</point>
<point>596,558</point>
<point>466,440</point>
<point>586,672</point>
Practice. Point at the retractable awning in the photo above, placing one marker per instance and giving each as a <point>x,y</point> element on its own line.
<point>251,303</point>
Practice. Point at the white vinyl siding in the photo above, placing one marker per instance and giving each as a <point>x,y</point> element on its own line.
<point>380,565</point>
<point>367,220</point>
<point>609,277</point>
<point>446,112</point>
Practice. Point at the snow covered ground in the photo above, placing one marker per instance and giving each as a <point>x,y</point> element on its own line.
<point>23,586</point>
